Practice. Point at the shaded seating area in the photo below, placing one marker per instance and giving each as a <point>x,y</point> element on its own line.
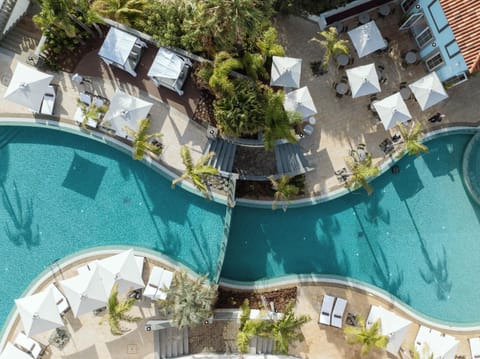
<point>122,50</point>
<point>170,70</point>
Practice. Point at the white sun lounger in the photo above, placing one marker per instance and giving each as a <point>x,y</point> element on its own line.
<point>30,345</point>
<point>326,309</point>
<point>338,311</point>
<point>165,283</point>
<point>48,101</point>
<point>475,347</point>
<point>12,352</point>
<point>60,300</point>
<point>152,287</point>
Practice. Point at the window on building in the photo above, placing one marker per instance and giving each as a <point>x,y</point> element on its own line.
<point>434,61</point>
<point>407,5</point>
<point>412,19</point>
<point>424,37</point>
<point>455,80</point>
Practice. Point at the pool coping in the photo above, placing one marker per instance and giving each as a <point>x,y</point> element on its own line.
<point>60,264</point>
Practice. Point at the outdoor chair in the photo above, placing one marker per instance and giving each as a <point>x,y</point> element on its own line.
<point>30,345</point>
<point>344,79</point>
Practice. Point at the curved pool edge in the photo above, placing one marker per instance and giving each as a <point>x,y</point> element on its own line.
<point>69,127</point>
<point>58,265</point>
<point>348,283</point>
<point>384,166</point>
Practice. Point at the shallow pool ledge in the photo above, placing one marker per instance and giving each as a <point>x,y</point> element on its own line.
<point>347,282</point>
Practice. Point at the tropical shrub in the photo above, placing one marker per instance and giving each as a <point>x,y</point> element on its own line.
<point>117,311</point>
<point>332,45</point>
<point>284,191</point>
<point>220,81</point>
<point>142,140</point>
<point>127,12</point>
<point>189,302</point>
<point>411,139</point>
<point>361,171</point>
<point>367,338</point>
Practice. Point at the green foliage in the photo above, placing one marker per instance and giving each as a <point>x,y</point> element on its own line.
<point>243,112</point>
<point>202,75</point>
<point>360,173</point>
<point>126,12</point>
<point>332,45</point>
<point>142,140</point>
<point>284,191</point>
<point>287,329</point>
<point>220,82</point>
<point>196,172</point>
<point>189,302</point>
<point>118,311</point>
<point>305,7</point>
<point>254,66</point>
<point>268,44</point>
<point>283,331</point>
<point>279,124</point>
<point>91,111</point>
<point>164,21</point>
<point>245,308</point>
<point>367,338</point>
<point>411,139</point>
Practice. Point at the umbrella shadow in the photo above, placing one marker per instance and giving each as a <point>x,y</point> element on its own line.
<point>406,190</point>
<point>21,215</point>
<point>437,272</point>
<point>90,352</point>
<point>84,176</point>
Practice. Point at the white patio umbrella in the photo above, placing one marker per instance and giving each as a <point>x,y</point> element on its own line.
<point>300,101</point>
<point>363,80</point>
<point>285,71</point>
<point>27,87</point>
<point>116,49</point>
<point>124,269</point>
<point>125,110</point>
<point>428,90</point>
<point>391,325</point>
<point>432,342</point>
<point>367,39</point>
<point>88,291</point>
<point>392,110</point>
<point>39,312</point>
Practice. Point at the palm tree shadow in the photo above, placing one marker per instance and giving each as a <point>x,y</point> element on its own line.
<point>386,279</point>
<point>331,227</point>
<point>437,272</point>
<point>375,211</point>
<point>21,214</point>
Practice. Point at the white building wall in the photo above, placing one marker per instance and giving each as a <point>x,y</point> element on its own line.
<point>20,7</point>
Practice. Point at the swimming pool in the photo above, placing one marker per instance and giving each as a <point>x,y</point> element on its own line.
<point>61,193</point>
<point>416,236</point>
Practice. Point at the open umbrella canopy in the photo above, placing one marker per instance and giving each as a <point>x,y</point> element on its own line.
<point>39,312</point>
<point>286,71</point>
<point>300,101</point>
<point>124,269</point>
<point>428,90</point>
<point>392,110</point>
<point>363,80</point>
<point>88,291</point>
<point>125,110</point>
<point>27,87</point>
<point>367,39</point>
<point>166,64</point>
<point>432,342</point>
<point>391,325</point>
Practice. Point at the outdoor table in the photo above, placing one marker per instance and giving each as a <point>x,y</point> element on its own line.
<point>363,18</point>
<point>384,10</point>
<point>411,57</point>
<point>312,121</point>
<point>341,88</point>
<point>343,59</point>
<point>406,93</point>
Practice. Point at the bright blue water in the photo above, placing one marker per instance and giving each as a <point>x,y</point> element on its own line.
<point>416,236</point>
<point>61,193</point>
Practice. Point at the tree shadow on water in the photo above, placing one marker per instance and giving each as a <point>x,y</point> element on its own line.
<point>375,212</point>
<point>437,273</point>
<point>21,215</point>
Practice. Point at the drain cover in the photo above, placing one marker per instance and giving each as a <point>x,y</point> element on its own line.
<point>131,348</point>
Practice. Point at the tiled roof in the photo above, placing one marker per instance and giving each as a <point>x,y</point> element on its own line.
<point>464,19</point>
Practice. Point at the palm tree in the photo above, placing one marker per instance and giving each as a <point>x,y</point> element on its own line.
<point>92,112</point>
<point>283,191</point>
<point>367,338</point>
<point>269,45</point>
<point>220,82</point>
<point>332,44</point>
<point>361,171</point>
<point>196,172</point>
<point>188,302</point>
<point>287,329</point>
<point>411,139</point>
<point>123,11</point>
<point>117,311</point>
<point>141,141</point>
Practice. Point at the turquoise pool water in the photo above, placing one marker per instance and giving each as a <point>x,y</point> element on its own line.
<point>61,193</point>
<point>417,236</point>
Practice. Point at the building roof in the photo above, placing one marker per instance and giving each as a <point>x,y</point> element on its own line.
<point>464,19</point>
